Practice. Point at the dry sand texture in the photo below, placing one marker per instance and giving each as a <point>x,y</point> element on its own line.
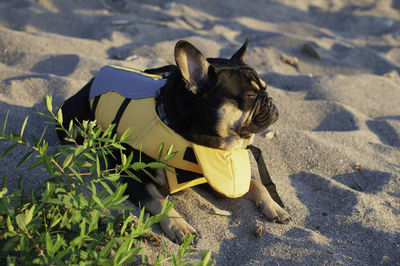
<point>332,66</point>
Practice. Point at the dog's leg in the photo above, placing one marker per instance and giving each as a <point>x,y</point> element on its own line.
<point>260,195</point>
<point>175,227</point>
<point>145,193</point>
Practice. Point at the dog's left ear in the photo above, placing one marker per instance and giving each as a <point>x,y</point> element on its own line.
<point>238,57</point>
<point>192,65</point>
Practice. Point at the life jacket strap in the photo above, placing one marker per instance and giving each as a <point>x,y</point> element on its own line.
<point>264,174</point>
<point>119,114</point>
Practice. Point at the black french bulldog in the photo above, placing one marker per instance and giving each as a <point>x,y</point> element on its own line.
<point>214,102</point>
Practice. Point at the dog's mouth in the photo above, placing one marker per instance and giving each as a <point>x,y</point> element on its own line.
<point>263,114</point>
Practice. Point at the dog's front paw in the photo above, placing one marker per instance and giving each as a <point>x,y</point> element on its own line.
<point>177,228</point>
<point>260,195</point>
<point>274,212</point>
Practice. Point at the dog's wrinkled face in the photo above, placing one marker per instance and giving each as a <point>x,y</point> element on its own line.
<point>231,99</point>
<point>246,108</point>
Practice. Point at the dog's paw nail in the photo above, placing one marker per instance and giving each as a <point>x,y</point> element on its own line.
<point>286,221</point>
<point>275,219</point>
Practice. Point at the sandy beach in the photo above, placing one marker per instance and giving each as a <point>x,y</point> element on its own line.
<point>333,68</point>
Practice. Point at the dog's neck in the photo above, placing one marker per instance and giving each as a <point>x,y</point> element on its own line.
<point>167,109</point>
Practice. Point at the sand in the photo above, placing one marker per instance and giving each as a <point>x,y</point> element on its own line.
<point>332,67</point>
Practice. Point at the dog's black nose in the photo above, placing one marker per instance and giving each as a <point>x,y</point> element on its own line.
<point>266,100</point>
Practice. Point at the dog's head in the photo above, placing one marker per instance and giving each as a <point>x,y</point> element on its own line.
<point>225,99</point>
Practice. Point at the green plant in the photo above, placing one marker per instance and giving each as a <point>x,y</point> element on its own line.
<point>78,216</point>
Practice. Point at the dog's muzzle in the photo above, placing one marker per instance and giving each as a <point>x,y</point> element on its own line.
<point>266,113</point>
<point>263,114</point>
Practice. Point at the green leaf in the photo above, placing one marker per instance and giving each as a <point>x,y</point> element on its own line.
<point>129,160</point>
<point>59,116</point>
<point>10,227</point>
<point>105,252</point>
<point>83,227</point>
<point>170,156</point>
<point>20,219</point>
<point>77,174</point>
<point>5,123</point>
<point>120,199</point>
<point>170,149</point>
<point>23,126</point>
<point>123,159</point>
<point>108,131</point>
<point>118,146</point>
<point>150,175</point>
<point>160,151</point>
<point>28,215</point>
<point>79,150</point>
<point>25,158</point>
<point>98,201</point>
<point>49,245</point>
<point>183,248</point>
<point>113,177</point>
<point>8,150</point>
<point>79,241</point>
<point>55,220</point>
<point>120,206</point>
<point>97,133</point>
<point>41,137</point>
<point>45,115</point>
<point>98,166</point>
<point>107,187</point>
<point>48,165</point>
<point>71,125</point>
<point>93,189</point>
<point>174,260</point>
<point>129,257</point>
<point>138,166</point>
<point>89,156</point>
<point>55,202</point>
<point>126,134</point>
<point>131,175</point>
<point>68,160</point>
<point>48,101</point>
<point>59,242</point>
<point>142,255</point>
<point>36,163</point>
<point>43,148</point>
<point>122,251</point>
<point>94,220</point>
<point>156,165</point>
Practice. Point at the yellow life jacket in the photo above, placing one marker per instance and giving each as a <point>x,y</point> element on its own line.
<point>227,172</point>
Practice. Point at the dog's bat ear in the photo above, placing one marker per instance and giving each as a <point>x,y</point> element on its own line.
<point>241,53</point>
<point>192,65</point>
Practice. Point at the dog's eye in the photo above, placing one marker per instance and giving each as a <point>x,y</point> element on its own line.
<point>251,95</point>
